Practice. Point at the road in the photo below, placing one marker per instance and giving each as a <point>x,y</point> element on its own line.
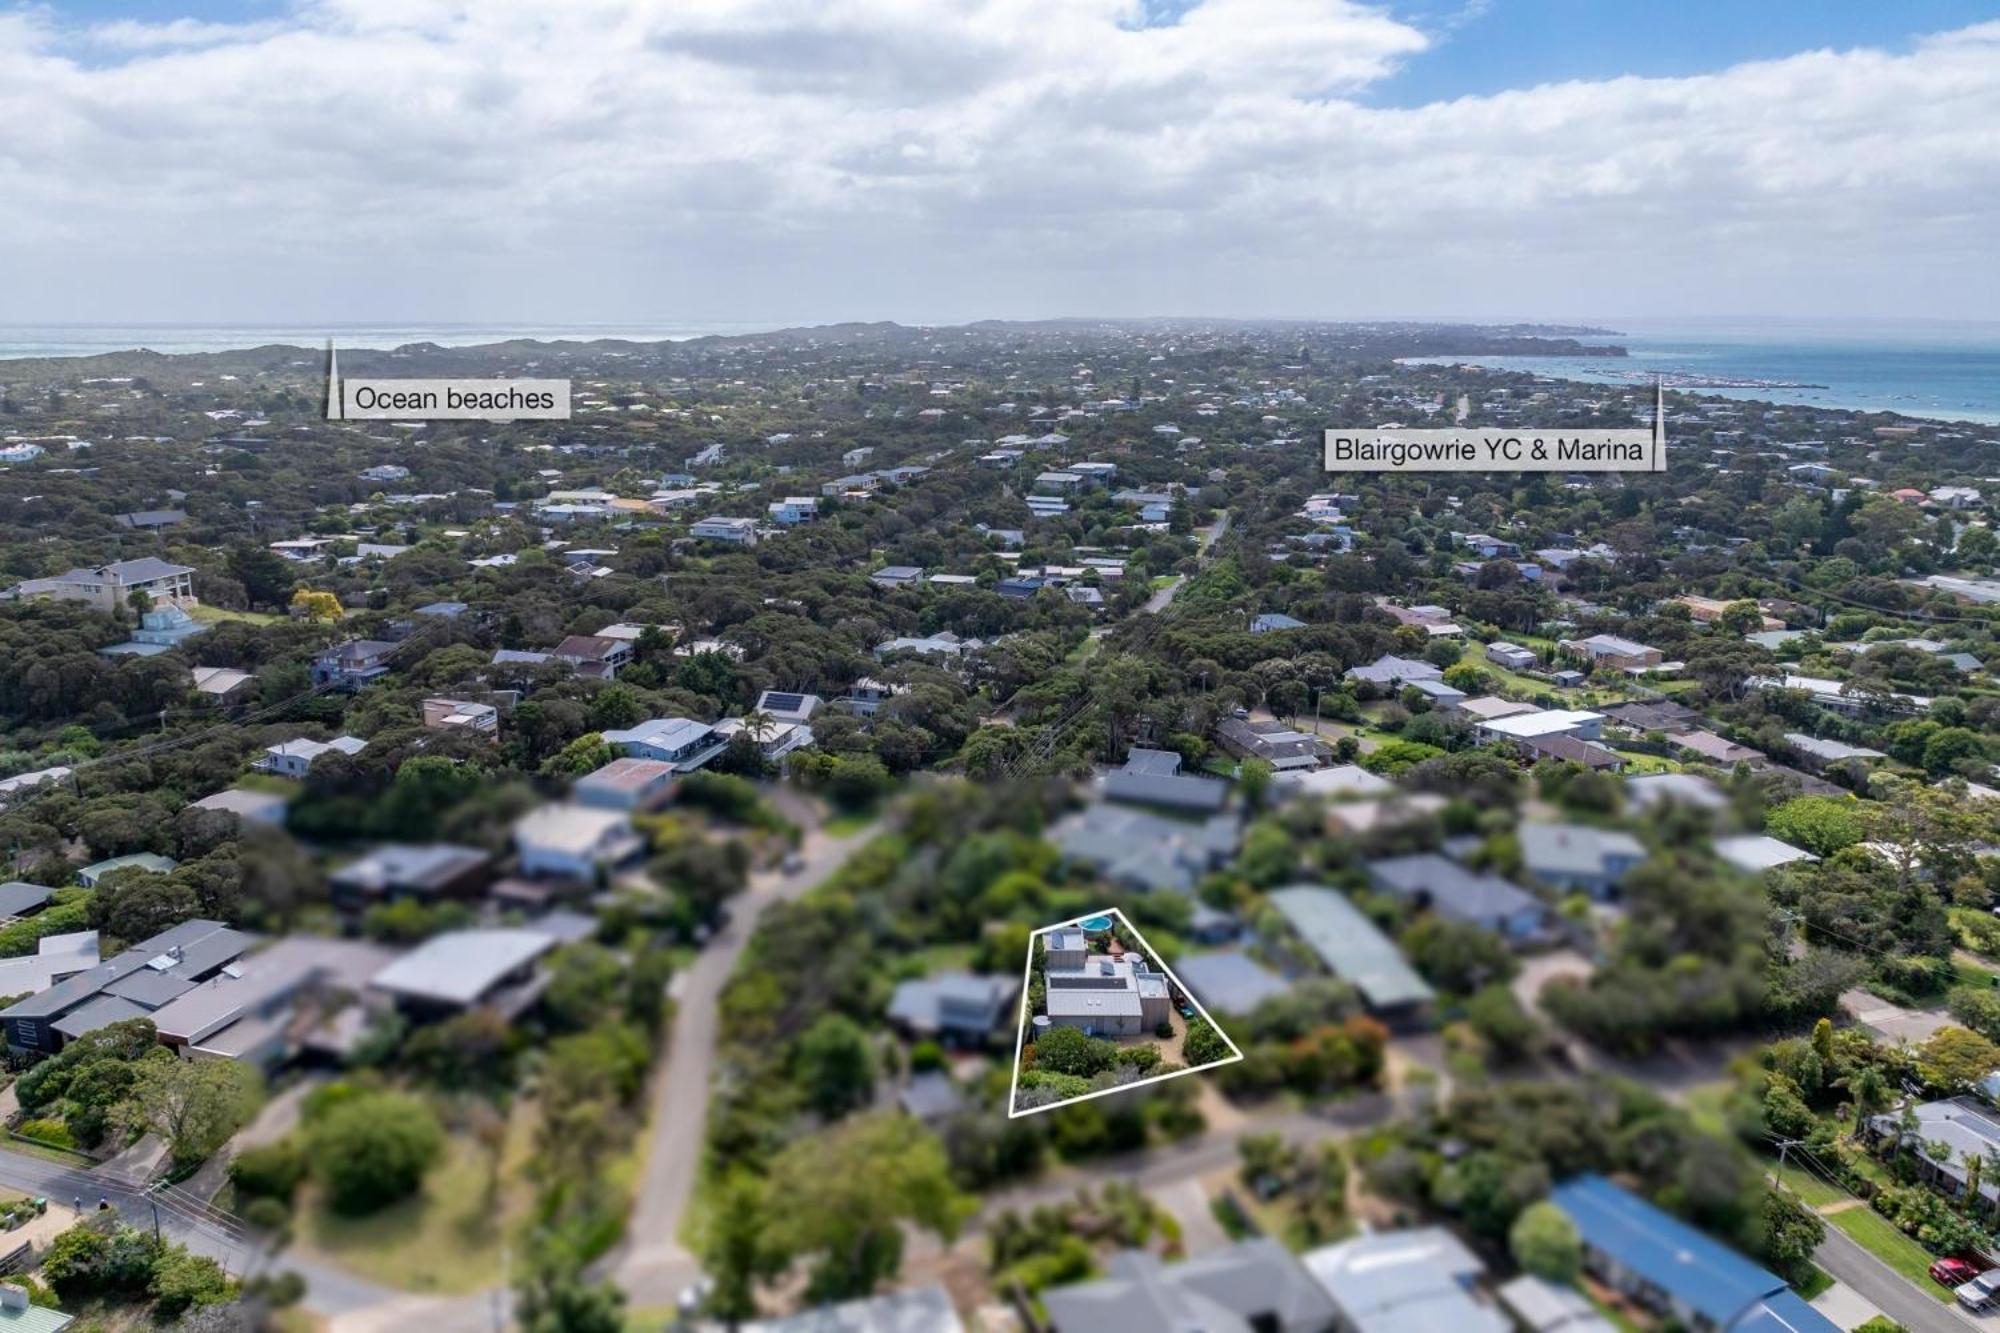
<point>1164,598</point>
<point>1886,1289</point>
<point>652,1265</point>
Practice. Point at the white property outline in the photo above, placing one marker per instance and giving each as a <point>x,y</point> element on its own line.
<point>1021,1030</point>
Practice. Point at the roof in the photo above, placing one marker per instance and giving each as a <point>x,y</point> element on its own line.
<point>148,861</point>
<point>1135,847</point>
<point>1452,889</point>
<point>931,1095</point>
<point>1181,791</point>
<point>628,774</point>
<point>143,570</point>
<point>1544,722</point>
<point>460,966</point>
<point>1759,851</point>
<point>17,898</point>
<point>1350,946</point>
<point>1702,1274</point>
<point>1830,751</point>
<point>589,647</point>
<point>578,829</point>
<point>1542,1306</point>
<point>1227,982</point>
<point>1341,780</point>
<point>1250,1283</point>
<point>1688,788</point>
<point>245,803</point>
<point>1388,668</point>
<point>33,1319</point>
<point>917,1310</point>
<point>1275,620</point>
<point>1400,1280</point>
<point>1718,748</point>
<point>399,865</point>
<point>1575,849</point>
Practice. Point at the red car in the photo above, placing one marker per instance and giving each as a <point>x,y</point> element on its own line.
<point>1953,1272</point>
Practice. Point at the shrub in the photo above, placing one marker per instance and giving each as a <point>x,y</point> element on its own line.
<point>372,1149</point>
<point>272,1171</point>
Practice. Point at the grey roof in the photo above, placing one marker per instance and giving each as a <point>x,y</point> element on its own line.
<point>1402,1280</point>
<point>1455,891</point>
<point>931,1096</point>
<point>204,946</point>
<point>1692,789</point>
<point>1575,849</point>
<point>145,569</point>
<point>1388,669</point>
<point>958,1001</point>
<point>1176,790</point>
<point>16,897</point>
<point>1228,982</point>
<point>461,966</point>
<point>1253,1283</point>
<point>917,1310</point>
<point>1829,751</point>
<point>1145,850</point>
<point>1144,760</point>
<point>398,865</point>
<point>1351,947</point>
<point>101,1012</point>
<point>1542,1306</point>
<point>150,989</point>
<point>152,518</point>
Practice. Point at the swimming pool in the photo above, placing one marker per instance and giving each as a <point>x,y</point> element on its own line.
<point>1096,925</point>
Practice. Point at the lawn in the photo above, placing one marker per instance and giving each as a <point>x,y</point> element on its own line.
<point>209,614</point>
<point>1637,763</point>
<point>851,822</point>
<point>449,1239</point>
<point>1873,1233</point>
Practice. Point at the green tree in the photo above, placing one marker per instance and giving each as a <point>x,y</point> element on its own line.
<point>1545,1242</point>
<point>373,1149</point>
<point>194,1105</point>
<point>1955,1059</point>
<point>1820,824</point>
<point>1068,1050</point>
<point>835,1066</point>
<point>557,1298</point>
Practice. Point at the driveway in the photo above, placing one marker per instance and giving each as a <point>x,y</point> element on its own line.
<point>1892,1021</point>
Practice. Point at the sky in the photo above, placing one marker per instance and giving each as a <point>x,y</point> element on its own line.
<point>676,163</point>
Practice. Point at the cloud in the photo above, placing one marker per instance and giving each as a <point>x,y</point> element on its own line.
<point>956,158</point>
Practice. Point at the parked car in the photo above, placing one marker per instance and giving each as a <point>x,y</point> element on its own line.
<point>1953,1272</point>
<point>1979,1293</point>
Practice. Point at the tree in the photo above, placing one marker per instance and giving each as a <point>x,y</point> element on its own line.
<point>556,1298</point>
<point>1955,1060</point>
<point>586,754</point>
<point>1545,1242</point>
<point>315,606</point>
<point>195,1105</point>
<point>835,1066</point>
<point>1789,1231</point>
<point>1068,1050</point>
<point>848,1193</point>
<point>373,1149</point>
<point>1203,1045</point>
<point>735,1250</point>
<point>1820,824</point>
<point>1868,1090</point>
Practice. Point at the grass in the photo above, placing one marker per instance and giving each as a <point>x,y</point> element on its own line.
<point>1815,1193</point>
<point>1817,1281</point>
<point>1971,974</point>
<point>1637,763</point>
<point>850,822</point>
<point>1873,1233</point>
<point>210,614</point>
<point>449,1238</point>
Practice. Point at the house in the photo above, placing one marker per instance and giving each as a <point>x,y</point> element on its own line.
<point>1967,1125</point>
<point>1565,749</point>
<point>1252,1286</point>
<point>1541,1306</point>
<point>1229,982</point>
<point>1708,610</point>
<point>1490,547</point>
<point>1666,717</point>
<point>1270,622</point>
<point>954,1006</point>
<point>627,783</point>
<point>1819,755</point>
<point>1441,695</point>
<point>1717,749</point>
<point>915,1310</point>
<point>397,870</point>
<point>1669,1267</point>
<point>257,1009</point>
<point>1652,790</point>
<point>111,587</point>
<point>1389,669</point>
<point>867,695</point>
<point>795,509</point>
<point>1278,745</point>
<point>1511,655</point>
<point>574,841</point>
<point>150,862</point>
<point>593,656</point>
<point>252,807</point>
<point>1058,481</point>
<point>131,985</point>
<point>1337,783</point>
<point>1573,857</point>
<point>1836,695</point>
<point>685,744</point>
<point>1754,853</point>
<point>1144,851</point>
<point>1490,708</point>
<point>18,900</point>
<point>219,682</point>
<point>1579,723</point>
<point>152,520</point>
<point>942,644</point>
<point>735,531</point>
<point>385,472</point>
<point>26,782</point>
<point>1448,888</point>
<point>443,610</point>
<point>1396,1281</point>
<point>1608,650</point>
<point>352,664</point>
<point>1354,950</point>
<point>786,706</point>
<point>1153,777</point>
<point>56,958</point>
<point>931,1097</point>
<point>467,969</point>
<point>896,576</point>
<point>291,759</point>
<point>460,715</point>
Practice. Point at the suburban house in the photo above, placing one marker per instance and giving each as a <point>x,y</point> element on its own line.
<point>131,985</point>
<point>954,1006</point>
<point>252,807</point>
<point>1717,749</point>
<point>1669,1267</point>
<point>1105,997</point>
<point>1819,755</point>
<point>1967,1125</point>
<point>787,706</point>
<point>915,1310</point>
<point>110,587</point>
<point>1573,857</point>
<point>1579,723</point>
<point>164,627</point>
<point>397,870</point>
<point>1754,853</point>
<point>1490,708</point>
<point>574,841</point>
<point>737,531</point>
<point>1252,1286</point>
<point>1339,783</point>
<point>291,759</point>
<point>593,656</point>
<point>943,644</point>
<point>795,509</point>
<point>1608,650</point>
<point>896,576</point>
<point>260,1009</point>
<point>150,862</point>
<point>219,682</point>
<point>1228,982</point>
<point>1708,610</point>
<point>1153,777</point>
<point>1541,1306</point>
<point>1393,1281</point>
<point>685,744</point>
<point>1389,669</point>
<point>1270,622</point>
<point>1650,791</point>
<point>152,520</point>
<point>460,715</point>
<point>774,740</point>
<point>1448,888</point>
<point>1510,655</point>
<point>55,958</point>
<point>27,782</point>
<point>468,969</point>
<point>627,783</point>
<point>1278,745</point>
<point>867,695</point>
<point>353,664</point>
<point>1354,950</point>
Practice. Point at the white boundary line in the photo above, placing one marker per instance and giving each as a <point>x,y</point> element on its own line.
<point>1021,1029</point>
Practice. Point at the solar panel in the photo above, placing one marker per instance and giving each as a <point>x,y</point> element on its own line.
<point>784,703</point>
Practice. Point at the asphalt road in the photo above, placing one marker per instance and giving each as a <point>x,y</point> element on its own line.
<point>1886,1289</point>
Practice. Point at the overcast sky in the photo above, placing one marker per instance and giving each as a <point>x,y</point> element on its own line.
<point>680,162</point>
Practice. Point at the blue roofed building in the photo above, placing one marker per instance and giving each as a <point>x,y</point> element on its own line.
<point>1668,1266</point>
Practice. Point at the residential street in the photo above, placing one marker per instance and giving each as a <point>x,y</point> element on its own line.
<point>1886,1289</point>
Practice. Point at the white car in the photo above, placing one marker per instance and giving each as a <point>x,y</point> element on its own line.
<point>1979,1293</point>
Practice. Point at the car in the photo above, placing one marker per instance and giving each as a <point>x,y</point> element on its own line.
<point>794,863</point>
<point>1953,1272</point>
<point>1978,1293</point>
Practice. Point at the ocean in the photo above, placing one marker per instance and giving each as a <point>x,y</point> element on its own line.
<point>1948,371</point>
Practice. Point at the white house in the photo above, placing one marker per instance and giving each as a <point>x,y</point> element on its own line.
<point>573,841</point>
<point>291,759</point>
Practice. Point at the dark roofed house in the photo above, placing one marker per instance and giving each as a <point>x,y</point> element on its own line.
<point>1434,881</point>
<point>152,520</point>
<point>1576,856</point>
<point>1153,777</point>
<point>19,900</point>
<point>956,1006</point>
<point>1669,1267</point>
<point>1283,748</point>
<point>1570,750</point>
<point>593,656</point>
<point>131,985</point>
<point>439,870</point>
<point>353,664</point>
<point>1228,982</point>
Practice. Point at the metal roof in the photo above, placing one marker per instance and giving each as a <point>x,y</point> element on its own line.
<point>1400,1280</point>
<point>1351,947</point>
<point>460,966</point>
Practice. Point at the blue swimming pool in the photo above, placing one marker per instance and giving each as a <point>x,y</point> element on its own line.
<point>1096,925</point>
